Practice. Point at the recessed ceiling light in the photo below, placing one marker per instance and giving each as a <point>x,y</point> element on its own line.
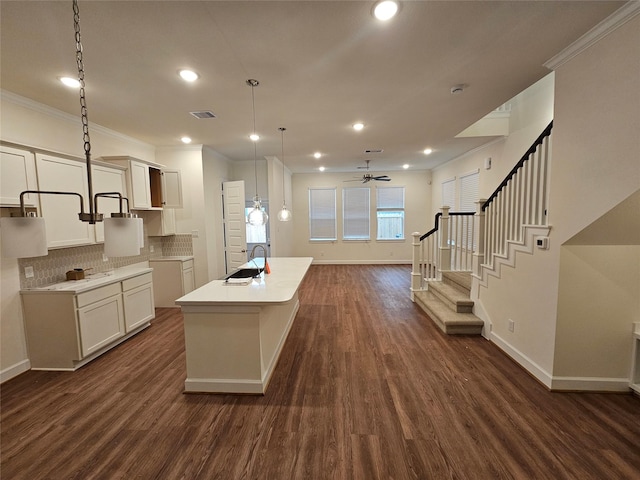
<point>186,140</point>
<point>255,137</point>
<point>405,166</point>
<point>70,82</point>
<point>321,169</point>
<point>317,155</point>
<point>385,10</point>
<point>427,151</point>
<point>188,75</point>
<point>358,126</point>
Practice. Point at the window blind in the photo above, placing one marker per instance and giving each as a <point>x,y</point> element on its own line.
<point>322,213</point>
<point>355,213</point>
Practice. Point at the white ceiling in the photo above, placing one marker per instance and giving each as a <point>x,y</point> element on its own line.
<point>322,66</point>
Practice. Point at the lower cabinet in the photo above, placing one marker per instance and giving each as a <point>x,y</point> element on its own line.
<point>66,329</point>
<point>173,277</point>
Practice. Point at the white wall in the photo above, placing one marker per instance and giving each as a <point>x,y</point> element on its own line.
<point>31,124</point>
<point>417,218</point>
<point>281,233</point>
<point>596,165</point>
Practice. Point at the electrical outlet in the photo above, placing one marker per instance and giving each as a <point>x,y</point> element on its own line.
<point>105,258</point>
<point>512,325</point>
<point>28,272</point>
<point>151,249</point>
<point>195,233</point>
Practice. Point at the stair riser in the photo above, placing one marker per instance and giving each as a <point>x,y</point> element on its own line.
<point>449,329</point>
<point>464,289</point>
<point>458,307</point>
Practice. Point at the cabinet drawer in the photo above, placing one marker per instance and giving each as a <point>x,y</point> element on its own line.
<point>97,294</point>
<point>134,282</point>
<point>187,265</point>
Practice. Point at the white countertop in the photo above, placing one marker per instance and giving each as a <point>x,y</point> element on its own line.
<point>172,259</point>
<point>277,287</point>
<point>90,282</point>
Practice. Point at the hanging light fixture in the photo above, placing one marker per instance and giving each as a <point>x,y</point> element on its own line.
<point>25,235</point>
<point>257,216</point>
<point>284,215</point>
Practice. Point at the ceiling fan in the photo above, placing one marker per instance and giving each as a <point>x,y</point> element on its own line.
<point>367,177</point>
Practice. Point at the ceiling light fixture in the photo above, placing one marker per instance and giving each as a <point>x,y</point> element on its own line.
<point>317,155</point>
<point>257,216</point>
<point>185,140</point>
<point>26,236</point>
<point>70,82</point>
<point>405,166</point>
<point>321,169</point>
<point>284,215</point>
<point>358,126</point>
<point>427,151</point>
<point>188,75</point>
<point>385,10</point>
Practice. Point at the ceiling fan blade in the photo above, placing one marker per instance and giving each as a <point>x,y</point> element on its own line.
<point>382,178</point>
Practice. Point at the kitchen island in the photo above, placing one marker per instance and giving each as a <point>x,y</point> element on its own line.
<point>234,333</point>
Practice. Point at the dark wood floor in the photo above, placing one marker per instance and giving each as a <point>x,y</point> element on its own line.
<point>366,388</point>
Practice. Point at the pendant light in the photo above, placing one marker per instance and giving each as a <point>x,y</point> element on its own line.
<point>25,235</point>
<point>257,216</point>
<point>284,215</point>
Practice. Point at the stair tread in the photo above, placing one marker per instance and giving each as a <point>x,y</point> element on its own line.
<point>463,279</point>
<point>444,314</point>
<point>451,293</point>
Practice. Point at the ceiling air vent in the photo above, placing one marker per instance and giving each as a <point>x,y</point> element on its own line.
<point>373,150</point>
<point>203,114</point>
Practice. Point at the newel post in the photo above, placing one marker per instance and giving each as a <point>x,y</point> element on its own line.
<point>478,240</point>
<point>416,280</point>
<point>444,245</point>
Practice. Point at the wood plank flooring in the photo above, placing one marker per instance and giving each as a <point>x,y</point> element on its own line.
<point>366,388</point>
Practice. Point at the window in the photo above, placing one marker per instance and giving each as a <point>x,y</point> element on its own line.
<point>255,233</point>
<point>355,213</point>
<point>322,214</point>
<point>390,213</point>
<point>449,194</point>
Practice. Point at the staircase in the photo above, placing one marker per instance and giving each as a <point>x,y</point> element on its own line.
<point>448,304</point>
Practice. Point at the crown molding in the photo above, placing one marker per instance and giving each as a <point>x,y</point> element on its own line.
<point>60,115</point>
<point>597,33</point>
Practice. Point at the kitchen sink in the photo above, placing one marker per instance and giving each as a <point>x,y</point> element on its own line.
<point>245,273</point>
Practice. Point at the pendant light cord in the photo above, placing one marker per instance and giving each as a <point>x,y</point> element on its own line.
<point>282,130</point>
<point>253,83</point>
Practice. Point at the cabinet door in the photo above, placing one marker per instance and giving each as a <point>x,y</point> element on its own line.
<point>17,174</point>
<point>107,179</point>
<point>138,306</point>
<point>188,280</point>
<point>100,323</point>
<point>171,189</point>
<point>140,186</point>
<point>60,212</point>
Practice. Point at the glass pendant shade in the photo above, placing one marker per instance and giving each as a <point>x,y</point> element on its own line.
<point>284,215</point>
<point>121,237</point>
<point>258,216</point>
<point>23,237</point>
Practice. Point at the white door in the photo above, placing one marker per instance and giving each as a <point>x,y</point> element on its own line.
<point>235,233</point>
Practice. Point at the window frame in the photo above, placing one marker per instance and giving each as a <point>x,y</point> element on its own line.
<point>313,227</point>
<point>364,214</point>
<point>390,209</point>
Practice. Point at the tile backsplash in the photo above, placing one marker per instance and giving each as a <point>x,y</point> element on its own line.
<point>53,267</point>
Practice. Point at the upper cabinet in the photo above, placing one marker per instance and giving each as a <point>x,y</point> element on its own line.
<point>150,186</point>
<point>59,174</point>
<point>17,174</point>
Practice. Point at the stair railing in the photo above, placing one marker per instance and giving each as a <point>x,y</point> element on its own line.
<point>471,240</point>
<point>520,200</point>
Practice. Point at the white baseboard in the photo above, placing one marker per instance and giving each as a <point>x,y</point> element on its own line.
<point>223,385</point>
<point>15,370</point>
<point>525,362</point>
<point>590,384</point>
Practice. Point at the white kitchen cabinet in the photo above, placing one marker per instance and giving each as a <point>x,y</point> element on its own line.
<point>69,324</point>
<point>64,228</point>
<point>100,324</point>
<point>137,294</point>
<point>150,186</point>
<point>17,174</point>
<point>108,179</point>
<point>173,277</point>
<point>160,223</point>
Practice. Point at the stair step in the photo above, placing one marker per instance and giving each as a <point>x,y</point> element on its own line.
<point>448,321</point>
<point>459,280</point>
<point>452,297</point>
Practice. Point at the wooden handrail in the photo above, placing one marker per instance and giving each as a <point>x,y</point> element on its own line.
<point>437,220</point>
<point>532,149</point>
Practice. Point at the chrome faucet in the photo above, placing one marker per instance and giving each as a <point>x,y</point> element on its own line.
<point>253,252</point>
